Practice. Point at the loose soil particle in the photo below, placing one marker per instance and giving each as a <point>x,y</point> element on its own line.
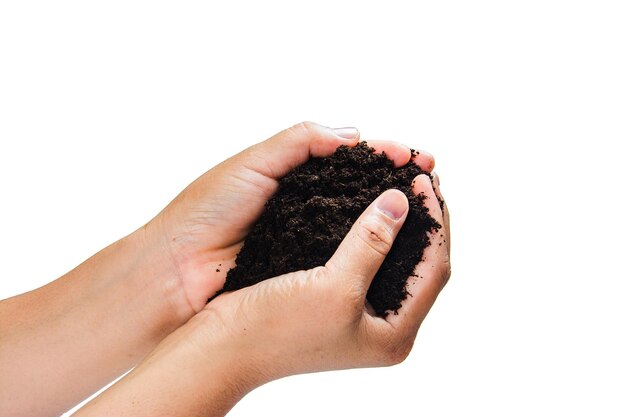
<point>313,210</point>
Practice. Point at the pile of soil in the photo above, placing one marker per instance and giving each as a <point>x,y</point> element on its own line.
<point>313,210</point>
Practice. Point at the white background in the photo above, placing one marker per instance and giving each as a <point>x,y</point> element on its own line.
<point>109,109</point>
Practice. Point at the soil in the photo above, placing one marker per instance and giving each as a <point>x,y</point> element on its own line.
<point>313,210</point>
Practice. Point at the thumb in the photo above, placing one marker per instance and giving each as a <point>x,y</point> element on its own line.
<point>284,151</point>
<point>369,241</point>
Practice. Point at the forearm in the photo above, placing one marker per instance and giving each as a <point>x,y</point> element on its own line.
<point>181,377</point>
<point>63,341</point>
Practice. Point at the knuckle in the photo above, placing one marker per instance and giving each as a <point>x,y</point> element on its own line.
<point>303,128</point>
<point>346,299</point>
<point>303,132</point>
<point>445,272</point>
<point>447,277</point>
<point>258,162</point>
<point>376,235</point>
<point>400,353</point>
<point>394,350</point>
<point>353,300</point>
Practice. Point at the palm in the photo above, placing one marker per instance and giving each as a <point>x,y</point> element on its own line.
<point>234,202</point>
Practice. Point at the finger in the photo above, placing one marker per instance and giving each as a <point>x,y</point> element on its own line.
<point>364,248</point>
<point>446,214</point>
<point>431,273</point>
<point>400,154</point>
<point>435,180</point>
<point>284,151</point>
<point>439,240</point>
<point>423,160</point>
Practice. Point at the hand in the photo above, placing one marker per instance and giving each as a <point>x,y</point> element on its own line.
<point>144,286</point>
<point>318,319</point>
<point>300,322</point>
<point>204,227</point>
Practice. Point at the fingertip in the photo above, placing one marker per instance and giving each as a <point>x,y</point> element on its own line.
<point>393,203</point>
<point>400,154</point>
<point>422,183</point>
<point>424,160</point>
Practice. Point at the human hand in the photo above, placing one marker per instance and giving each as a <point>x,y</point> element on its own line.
<point>300,322</point>
<point>318,319</point>
<point>203,229</point>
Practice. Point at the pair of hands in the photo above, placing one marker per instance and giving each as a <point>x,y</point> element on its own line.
<point>300,322</point>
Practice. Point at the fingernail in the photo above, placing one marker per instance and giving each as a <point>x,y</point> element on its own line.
<point>392,204</point>
<point>346,132</point>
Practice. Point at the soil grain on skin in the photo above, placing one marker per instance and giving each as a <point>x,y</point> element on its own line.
<point>313,210</point>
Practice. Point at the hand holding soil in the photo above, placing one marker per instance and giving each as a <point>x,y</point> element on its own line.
<point>151,288</point>
<point>305,321</point>
<point>204,228</point>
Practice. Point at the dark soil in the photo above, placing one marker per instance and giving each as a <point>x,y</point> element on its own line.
<point>313,210</point>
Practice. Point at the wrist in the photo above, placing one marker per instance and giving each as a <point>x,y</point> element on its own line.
<point>155,279</point>
<point>225,350</point>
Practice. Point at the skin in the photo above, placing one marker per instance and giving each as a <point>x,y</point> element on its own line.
<point>148,291</point>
